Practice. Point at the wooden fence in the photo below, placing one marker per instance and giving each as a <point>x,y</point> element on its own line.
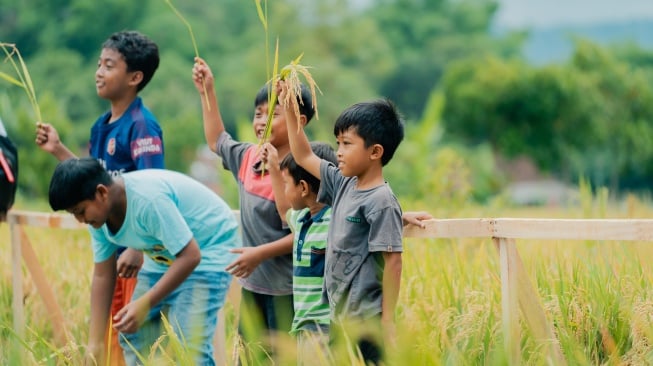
<point>517,291</point>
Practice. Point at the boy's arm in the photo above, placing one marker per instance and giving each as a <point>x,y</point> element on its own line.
<point>48,140</point>
<point>415,218</point>
<point>299,144</point>
<point>204,82</point>
<point>251,257</point>
<point>130,317</point>
<point>102,285</point>
<point>270,157</point>
<point>391,283</point>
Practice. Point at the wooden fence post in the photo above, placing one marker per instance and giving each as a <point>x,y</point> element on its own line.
<point>509,299</point>
<point>59,329</point>
<point>17,288</point>
<point>533,312</point>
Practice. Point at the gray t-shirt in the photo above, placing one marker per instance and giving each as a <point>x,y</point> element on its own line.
<point>364,224</point>
<point>260,221</point>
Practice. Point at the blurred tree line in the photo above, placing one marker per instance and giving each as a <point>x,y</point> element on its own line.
<point>467,94</point>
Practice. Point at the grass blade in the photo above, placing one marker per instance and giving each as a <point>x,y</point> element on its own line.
<point>192,38</point>
<point>24,79</point>
<point>10,79</point>
<point>262,14</point>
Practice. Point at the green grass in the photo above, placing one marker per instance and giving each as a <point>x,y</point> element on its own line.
<point>598,296</point>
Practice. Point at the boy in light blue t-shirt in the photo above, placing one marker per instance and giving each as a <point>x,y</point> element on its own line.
<point>186,232</point>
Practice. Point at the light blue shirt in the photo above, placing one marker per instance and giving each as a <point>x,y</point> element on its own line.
<point>165,209</point>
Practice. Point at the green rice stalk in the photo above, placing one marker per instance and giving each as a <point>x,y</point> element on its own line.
<point>262,13</point>
<point>192,38</point>
<point>177,343</point>
<point>140,357</point>
<point>109,337</point>
<point>272,98</point>
<point>290,73</point>
<point>10,79</point>
<point>24,80</point>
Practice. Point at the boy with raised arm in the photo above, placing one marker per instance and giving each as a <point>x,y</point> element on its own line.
<point>125,138</point>
<point>264,266</point>
<point>363,263</point>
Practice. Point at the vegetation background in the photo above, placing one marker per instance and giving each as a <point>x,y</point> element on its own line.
<point>478,102</point>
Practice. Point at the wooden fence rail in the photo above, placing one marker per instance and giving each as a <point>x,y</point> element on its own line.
<point>518,295</point>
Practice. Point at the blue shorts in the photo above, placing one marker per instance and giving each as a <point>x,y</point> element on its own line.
<point>191,309</point>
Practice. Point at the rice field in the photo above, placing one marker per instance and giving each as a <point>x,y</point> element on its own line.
<point>597,295</point>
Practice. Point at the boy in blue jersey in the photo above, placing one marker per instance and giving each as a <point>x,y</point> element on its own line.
<point>264,266</point>
<point>309,221</point>
<point>185,229</point>
<point>125,138</point>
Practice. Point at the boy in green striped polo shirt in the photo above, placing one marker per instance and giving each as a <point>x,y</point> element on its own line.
<point>309,221</point>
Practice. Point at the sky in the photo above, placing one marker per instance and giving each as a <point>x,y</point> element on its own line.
<point>547,13</point>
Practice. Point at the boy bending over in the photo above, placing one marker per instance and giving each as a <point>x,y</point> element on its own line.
<point>185,228</point>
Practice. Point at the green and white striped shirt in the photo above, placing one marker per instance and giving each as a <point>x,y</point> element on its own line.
<point>309,252</point>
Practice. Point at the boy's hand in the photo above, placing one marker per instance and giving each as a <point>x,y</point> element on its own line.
<point>270,156</point>
<point>246,263</point>
<point>47,137</point>
<point>282,92</point>
<point>129,262</point>
<point>416,218</point>
<point>202,76</point>
<point>389,333</point>
<point>92,355</point>
<point>129,318</point>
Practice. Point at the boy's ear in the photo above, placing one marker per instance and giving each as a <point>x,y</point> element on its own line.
<point>377,152</point>
<point>302,120</point>
<point>102,191</point>
<point>305,188</point>
<point>135,78</point>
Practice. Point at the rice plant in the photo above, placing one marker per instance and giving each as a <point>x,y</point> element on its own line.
<point>22,79</point>
<point>192,38</point>
<point>289,73</point>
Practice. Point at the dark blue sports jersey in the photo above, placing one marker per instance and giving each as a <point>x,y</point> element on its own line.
<point>135,141</point>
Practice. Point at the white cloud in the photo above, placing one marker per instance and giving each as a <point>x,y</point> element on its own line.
<point>542,13</point>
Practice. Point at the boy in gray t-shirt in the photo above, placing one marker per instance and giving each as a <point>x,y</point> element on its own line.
<point>264,265</point>
<point>363,263</point>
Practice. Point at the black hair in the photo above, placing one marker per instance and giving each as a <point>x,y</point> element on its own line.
<point>76,180</point>
<point>323,150</point>
<point>139,52</point>
<point>305,100</point>
<point>376,122</point>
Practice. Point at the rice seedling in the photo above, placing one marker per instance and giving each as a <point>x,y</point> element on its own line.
<point>23,79</point>
<point>289,73</point>
<point>192,38</point>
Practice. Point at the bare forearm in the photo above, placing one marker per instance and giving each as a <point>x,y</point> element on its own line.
<point>213,125</point>
<point>299,144</point>
<point>102,287</point>
<point>279,196</point>
<point>185,263</point>
<point>63,153</point>
<point>276,248</point>
<point>391,284</point>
